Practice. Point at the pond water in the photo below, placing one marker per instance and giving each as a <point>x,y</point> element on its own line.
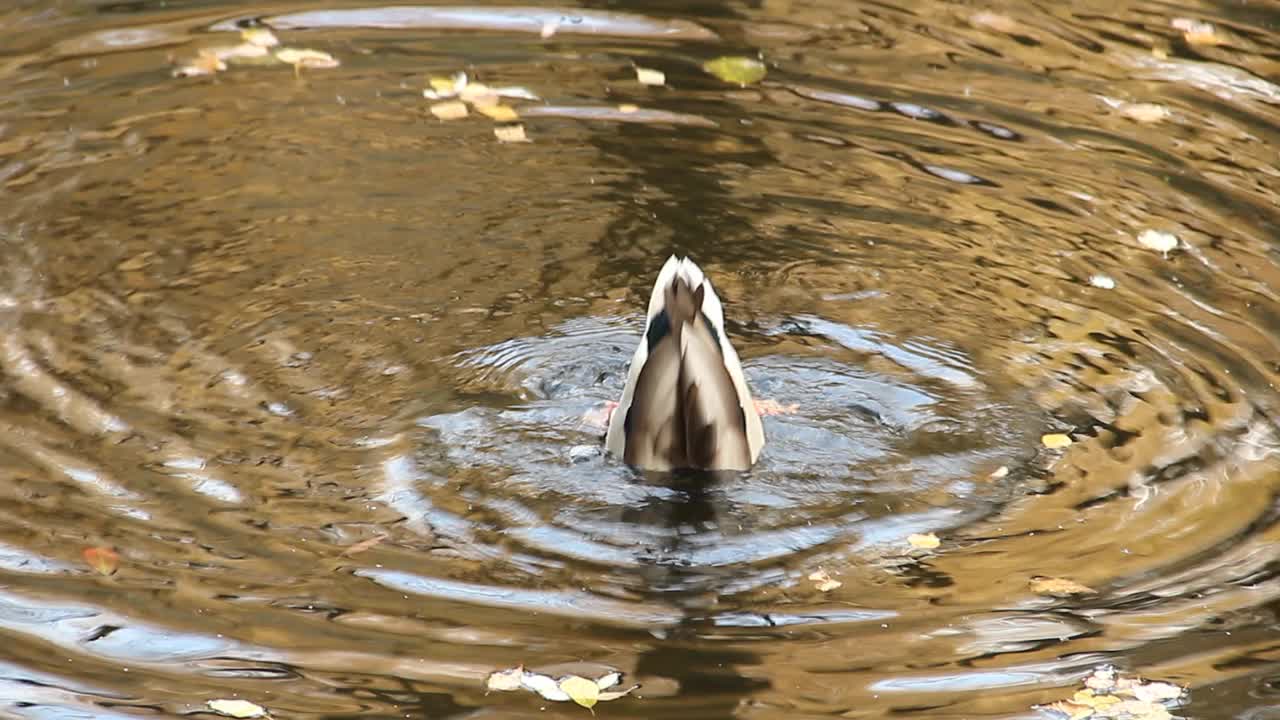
<point>319,365</point>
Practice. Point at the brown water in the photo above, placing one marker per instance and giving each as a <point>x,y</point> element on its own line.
<point>249,321</point>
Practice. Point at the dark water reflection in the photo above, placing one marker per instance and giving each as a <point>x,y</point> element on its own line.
<point>247,322</point>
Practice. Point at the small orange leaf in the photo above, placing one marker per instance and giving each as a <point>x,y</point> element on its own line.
<point>103,560</point>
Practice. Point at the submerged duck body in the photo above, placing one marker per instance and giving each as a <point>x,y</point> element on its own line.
<point>686,404</point>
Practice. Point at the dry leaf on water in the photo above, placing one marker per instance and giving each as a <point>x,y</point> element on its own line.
<point>995,21</point>
<point>237,708</point>
<point>500,113</point>
<point>545,686</point>
<point>259,36</point>
<point>581,690</point>
<point>445,87</point>
<point>449,110</point>
<point>103,560</point>
<point>363,545</point>
<point>1060,587</point>
<point>1144,112</point>
<point>505,680</point>
<point>1055,441</point>
<point>734,69</point>
<point>773,407</point>
<point>924,541</point>
<point>824,582</point>
<point>1158,240</point>
<point>1108,695</point>
<point>510,134</point>
<point>304,58</point>
<point>1198,32</point>
<point>206,63</point>
<point>649,76</point>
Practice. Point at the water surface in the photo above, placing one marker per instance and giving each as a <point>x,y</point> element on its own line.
<point>252,320</point>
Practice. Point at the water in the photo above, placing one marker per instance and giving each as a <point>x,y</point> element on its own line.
<point>252,320</point>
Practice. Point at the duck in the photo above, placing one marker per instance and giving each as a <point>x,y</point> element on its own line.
<point>686,404</point>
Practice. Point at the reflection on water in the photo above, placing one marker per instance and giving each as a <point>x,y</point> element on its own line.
<point>317,365</point>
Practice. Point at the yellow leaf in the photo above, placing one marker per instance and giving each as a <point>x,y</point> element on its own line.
<point>301,57</point>
<point>581,690</point>
<point>237,708</point>
<point>501,113</point>
<point>1055,441</point>
<point>1059,586</point>
<point>510,133</point>
<point>823,581</point>
<point>1074,711</point>
<point>451,110</point>
<point>924,541</point>
<point>628,108</point>
<point>447,85</point>
<point>259,36</point>
<point>647,76</point>
<point>740,70</point>
<point>103,560</point>
<point>472,91</point>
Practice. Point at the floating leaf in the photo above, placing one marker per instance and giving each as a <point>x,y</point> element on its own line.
<point>206,63</point>
<point>736,69</point>
<point>304,58</point>
<point>609,680</point>
<point>103,560</point>
<point>1106,282</point>
<point>1156,691</point>
<point>510,134</point>
<point>515,92</point>
<point>581,690</point>
<point>628,108</point>
<point>923,541</point>
<point>995,21</point>
<point>1071,710</point>
<point>449,110</point>
<point>237,708</point>
<point>1144,112</point>
<point>259,37</point>
<point>1198,32</point>
<point>773,407</point>
<point>545,686</point>
<point>363,545</point>
<point>1055,441</point>
<point>501,113</point>
<point>1158,240</point>
<point>647,76</point>
<point>824,582</point>
<point>473,91</point>
<point>445,87</point>
<point>614,695</point>
<point>999,472</point>
<point>1060,587</point>
<point>505,680</point>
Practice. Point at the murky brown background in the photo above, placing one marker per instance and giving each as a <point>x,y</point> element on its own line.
<point>249,321</point>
